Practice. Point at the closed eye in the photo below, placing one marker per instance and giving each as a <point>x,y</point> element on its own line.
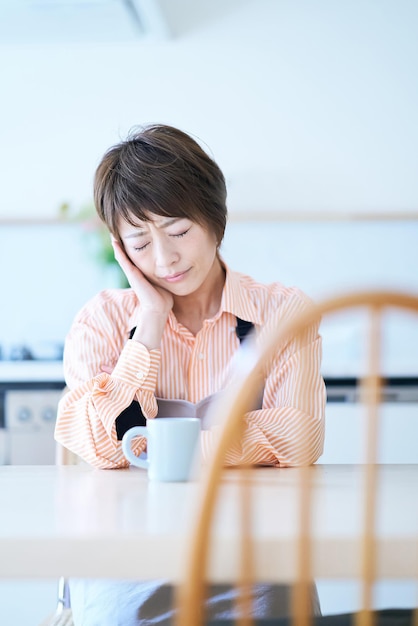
<point>141,247</point>
<point>182,234</point>
<point>177,235</point>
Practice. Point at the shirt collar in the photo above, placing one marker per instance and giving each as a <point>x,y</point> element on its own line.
<point>237,298</point>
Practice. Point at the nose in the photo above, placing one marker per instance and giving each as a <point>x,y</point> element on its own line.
<point>165,253</point>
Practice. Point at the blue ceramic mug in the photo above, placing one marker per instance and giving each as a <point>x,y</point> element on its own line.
<point>172,448</point>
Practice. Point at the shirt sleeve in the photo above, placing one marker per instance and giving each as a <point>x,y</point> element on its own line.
<point>289,428</point>
<point>88,410</point>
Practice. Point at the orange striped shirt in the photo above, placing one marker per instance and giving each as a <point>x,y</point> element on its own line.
<point>190,368</point>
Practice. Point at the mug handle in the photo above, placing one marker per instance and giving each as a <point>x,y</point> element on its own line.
<point>126,445</point>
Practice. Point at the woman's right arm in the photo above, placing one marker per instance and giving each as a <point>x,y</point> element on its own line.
<point>88,411</point>
<point>105,373</point>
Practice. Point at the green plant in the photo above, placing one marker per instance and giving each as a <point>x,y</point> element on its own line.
<point>96,236</point>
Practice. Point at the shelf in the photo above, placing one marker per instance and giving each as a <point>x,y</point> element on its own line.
<point>261,216</point>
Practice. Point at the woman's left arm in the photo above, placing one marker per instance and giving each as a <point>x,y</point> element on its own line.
<point>289,428</point>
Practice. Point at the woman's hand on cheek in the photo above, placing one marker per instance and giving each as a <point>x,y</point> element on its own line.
<point>151,297</point>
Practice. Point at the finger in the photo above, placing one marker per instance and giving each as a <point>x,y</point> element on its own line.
<point>117,248</point>
<point>121,256</point>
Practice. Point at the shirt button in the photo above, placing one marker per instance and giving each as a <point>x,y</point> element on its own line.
<point>201,356</point>
<point>140,375</point>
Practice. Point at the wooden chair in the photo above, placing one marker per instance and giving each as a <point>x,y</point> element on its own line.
<point>233,405</point>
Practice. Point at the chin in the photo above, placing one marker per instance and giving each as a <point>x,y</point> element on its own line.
<point>181,291</point>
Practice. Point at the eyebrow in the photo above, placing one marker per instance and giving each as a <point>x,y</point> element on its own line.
<point>140,233</point>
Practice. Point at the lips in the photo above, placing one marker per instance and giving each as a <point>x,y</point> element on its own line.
<point>172,278</point>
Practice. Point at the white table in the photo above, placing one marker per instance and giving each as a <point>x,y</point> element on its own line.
<point>77,521</point>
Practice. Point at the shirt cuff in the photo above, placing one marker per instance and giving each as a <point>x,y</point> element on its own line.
<point>137,366</point>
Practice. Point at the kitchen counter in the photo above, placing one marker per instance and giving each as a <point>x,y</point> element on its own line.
<point>342,381</point>
<point>31,371</point>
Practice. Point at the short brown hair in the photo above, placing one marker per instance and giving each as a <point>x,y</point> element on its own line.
<point>162,170</point>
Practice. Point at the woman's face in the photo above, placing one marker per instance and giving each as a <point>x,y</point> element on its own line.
<point>174,253</point>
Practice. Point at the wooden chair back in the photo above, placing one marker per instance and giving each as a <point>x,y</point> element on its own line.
<point>232,407</point>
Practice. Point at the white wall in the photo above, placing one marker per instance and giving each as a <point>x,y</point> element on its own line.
<point>48,271</point>
<point>305,105</point>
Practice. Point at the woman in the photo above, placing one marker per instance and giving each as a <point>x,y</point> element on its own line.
<point>173,335</point>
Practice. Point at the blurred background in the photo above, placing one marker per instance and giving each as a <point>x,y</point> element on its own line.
<point>310,107</point>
